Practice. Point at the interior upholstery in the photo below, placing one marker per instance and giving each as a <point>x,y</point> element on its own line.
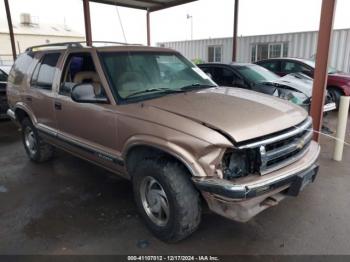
<point>89,77</point>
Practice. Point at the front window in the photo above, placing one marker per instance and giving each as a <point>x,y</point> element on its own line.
<point>257,74</point>
<point>141,75</point>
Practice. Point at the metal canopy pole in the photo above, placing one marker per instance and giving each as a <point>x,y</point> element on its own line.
<point>87,19</point>
<point>148,28</point>
<point>321,69</point>
<point>9,22</point>
<point>235,32</point>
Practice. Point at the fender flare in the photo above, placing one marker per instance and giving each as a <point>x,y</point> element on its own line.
<point>179,153</point>
<point>28,111</point>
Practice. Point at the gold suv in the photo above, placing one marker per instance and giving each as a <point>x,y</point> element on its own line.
<point>150,115</point>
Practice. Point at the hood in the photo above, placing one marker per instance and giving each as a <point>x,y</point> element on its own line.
<point>300,82</point>
<point>238,113</point>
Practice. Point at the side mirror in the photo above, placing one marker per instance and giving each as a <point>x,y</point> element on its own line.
<point>239,83</point>
<point>85,93</point>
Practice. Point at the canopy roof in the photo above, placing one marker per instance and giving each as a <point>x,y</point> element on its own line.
<point>151,5</point>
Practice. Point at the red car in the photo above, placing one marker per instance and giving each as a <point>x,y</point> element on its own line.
<point>338,82</point>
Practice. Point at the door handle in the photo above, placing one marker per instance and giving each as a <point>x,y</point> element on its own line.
<point>58,106</point>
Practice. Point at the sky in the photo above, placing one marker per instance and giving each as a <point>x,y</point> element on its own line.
<point>211,18</point>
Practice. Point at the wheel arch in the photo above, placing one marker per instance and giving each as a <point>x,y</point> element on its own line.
<point>336,88</point>
<point>141,148</point>
<point>21,111</point>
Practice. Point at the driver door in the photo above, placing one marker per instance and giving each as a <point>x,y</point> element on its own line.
<point>88,129</point>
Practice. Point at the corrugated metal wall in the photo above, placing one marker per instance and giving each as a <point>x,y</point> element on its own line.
<point>301,45</point>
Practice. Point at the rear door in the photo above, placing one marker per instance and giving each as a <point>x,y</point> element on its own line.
<point>40,96</point>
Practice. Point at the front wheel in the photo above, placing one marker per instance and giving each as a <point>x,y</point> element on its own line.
<point>166,199</point>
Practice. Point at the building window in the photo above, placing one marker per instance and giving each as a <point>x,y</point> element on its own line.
<point>275,50</point>
<point>269,50</point>
<point>214,54</point>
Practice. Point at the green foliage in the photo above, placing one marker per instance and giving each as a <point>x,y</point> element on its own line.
<point>197,61</point>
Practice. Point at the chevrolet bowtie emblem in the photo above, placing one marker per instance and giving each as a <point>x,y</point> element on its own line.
<point>301,144</point>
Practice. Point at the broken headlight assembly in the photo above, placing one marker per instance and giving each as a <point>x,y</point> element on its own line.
<point>240,163</point>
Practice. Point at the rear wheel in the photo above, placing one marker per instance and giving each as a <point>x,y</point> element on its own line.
<point>166,199</point>
<point>37,150</point>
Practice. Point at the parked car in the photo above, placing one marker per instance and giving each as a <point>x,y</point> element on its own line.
<point>151,116</point>
<point>296,88</point>
<point>338,82</point>
<point>4,71</point>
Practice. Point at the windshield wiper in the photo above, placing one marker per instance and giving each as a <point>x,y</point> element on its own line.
<point>195,86</point>
<point>163,90</point>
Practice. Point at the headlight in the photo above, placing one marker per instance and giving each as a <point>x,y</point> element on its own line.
<point>239,163</point>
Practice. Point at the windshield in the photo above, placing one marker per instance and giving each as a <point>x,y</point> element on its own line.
<point>331,70</point>
<point>257,74</point>
<point>151,74</point>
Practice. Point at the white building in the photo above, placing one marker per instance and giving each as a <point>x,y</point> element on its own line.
<point>29,33</point>
<point>254,48</point>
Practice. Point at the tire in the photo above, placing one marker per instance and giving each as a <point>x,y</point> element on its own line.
<point>163,182</point>
<point>36,149</point>
<point>335,95</point>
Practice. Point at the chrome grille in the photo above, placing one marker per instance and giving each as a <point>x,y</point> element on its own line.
<point>283,149</point>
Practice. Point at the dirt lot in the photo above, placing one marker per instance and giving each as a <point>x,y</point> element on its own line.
<point>68,206</point>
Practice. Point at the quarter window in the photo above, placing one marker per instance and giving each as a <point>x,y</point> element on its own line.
<point>214,54</point>
<point>20,68</point>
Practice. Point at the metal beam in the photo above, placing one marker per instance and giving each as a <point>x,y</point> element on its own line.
<point>140,4</point>
<point>87,20</point>
<point>172,4</point>
<point>148,29</point>
<point>9,22</point>
<point>235,32</point>
<point>321,69</point>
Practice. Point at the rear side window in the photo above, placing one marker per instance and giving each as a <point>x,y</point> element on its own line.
<point>274,66</point>
<point>44,72</point>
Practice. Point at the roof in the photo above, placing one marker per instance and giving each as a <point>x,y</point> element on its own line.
<point>101,46</point>
<point>41,29</point>
<point>151,5</point>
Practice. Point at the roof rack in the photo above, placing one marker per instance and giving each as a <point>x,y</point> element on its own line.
<point>75,45</point>
<point>63,44</point>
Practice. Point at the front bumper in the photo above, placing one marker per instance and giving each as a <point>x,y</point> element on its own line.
<point>329,107</point>
<point>11,114</point>
<point>244,198</point>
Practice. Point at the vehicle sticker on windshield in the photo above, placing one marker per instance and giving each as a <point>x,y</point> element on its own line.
<point>200,72</point>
